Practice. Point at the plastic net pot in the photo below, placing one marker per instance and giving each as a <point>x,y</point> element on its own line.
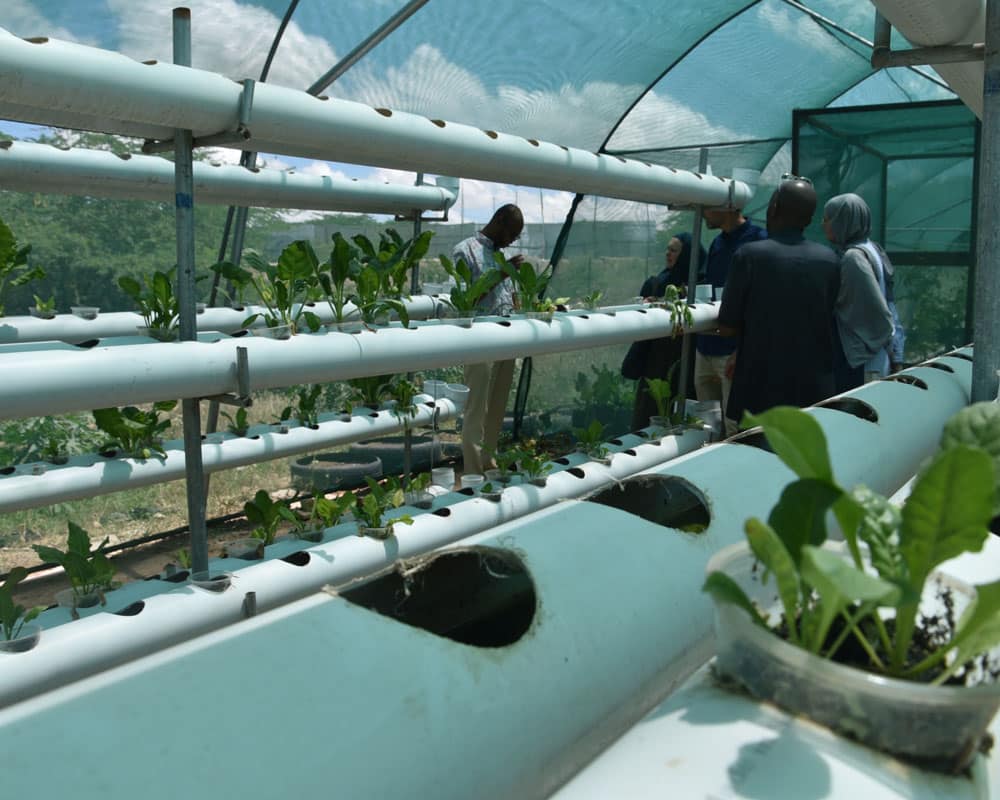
<point>25,640</point>
<point>939,727</point>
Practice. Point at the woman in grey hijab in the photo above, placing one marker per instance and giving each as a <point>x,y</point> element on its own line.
<point>865,320</point>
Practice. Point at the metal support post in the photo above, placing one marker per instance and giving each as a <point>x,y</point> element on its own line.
<point>986,323</point>
<point>694,267</point>
<point>184,192</point>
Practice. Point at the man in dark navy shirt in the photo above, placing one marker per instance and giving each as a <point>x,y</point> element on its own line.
<point>778,303</point>
<point>712,352</point>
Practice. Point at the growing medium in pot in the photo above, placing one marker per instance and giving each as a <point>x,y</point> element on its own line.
<point>875,611</point>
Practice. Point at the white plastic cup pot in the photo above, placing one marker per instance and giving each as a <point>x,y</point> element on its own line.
<point>458,393</point>
<point>443,476</point>
<point>473,480</point>
<point>435,388</point>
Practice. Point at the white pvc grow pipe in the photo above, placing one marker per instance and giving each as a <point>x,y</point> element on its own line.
<point>610,646</point>
<point>57,381</point>
<point>37,483</point>
<point>29,167</point>
<point>926,23</point>
<point>71,85</point>
<point>73,329</point>
<point>174,613</point>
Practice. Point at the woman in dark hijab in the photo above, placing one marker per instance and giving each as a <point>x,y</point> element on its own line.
<point>654,358</point>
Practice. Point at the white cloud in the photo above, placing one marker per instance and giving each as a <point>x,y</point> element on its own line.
<point>18,17</point>
<point>226,36</point>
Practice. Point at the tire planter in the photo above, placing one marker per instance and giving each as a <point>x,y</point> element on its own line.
<point>390,450</point>
<point>328,471</point>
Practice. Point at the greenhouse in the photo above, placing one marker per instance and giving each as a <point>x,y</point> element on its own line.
<point>564,400</point>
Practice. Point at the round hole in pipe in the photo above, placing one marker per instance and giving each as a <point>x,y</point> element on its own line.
<point>479,596</point>
<point>8,470</point>
<point>963,356</point>
<point>940,366</point>
<point>385,112</point>
<point>42,40</point>
<point>614,441</point>
<point>533,142</point>
<point>754,438</point>
<point>297,559</point>
<point>86,344</point>
<point>909,380</point>
<point>491,134</point>
<point>177,577</point>
<point>629,452</point>
<point>132,609</point>
<point>442,512</point>
<point>576,472</point>
<point>853,406</point>
<point>439,122</point>
<point>564,461</point>
<point>662,499</point>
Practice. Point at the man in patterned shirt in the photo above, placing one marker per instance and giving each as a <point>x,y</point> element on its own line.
<point>489,383</point>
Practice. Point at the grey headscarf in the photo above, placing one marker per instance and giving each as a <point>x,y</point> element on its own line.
<point>850,219</point>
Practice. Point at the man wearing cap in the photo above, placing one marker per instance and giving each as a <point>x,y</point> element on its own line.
<point>712,353</point>
<point>778,303</point>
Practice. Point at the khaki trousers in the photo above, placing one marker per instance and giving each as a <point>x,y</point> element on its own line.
<point>489,385</point>
<point>711,383</point>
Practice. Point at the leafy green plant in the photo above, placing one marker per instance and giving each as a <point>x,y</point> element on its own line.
<point>343,265</point>
<point>372,508</point>
<point>534,464</point>
<point>946,514</point>
<point>156,301</point>
<point>370,390</point>
<point>305,408</point>
<point>505,458</point>
<point>393,259</point>
<point>266,515</point>
<point>404,392</point>
<point>237,278</point>
<point>283,287</point>
<point>239,423</point>
<point>369,300</point>
<point>13,617</point>
<point>591,439</point>
<point>530,283</point>
<point>183,558</point>
<point>605,390</point>
<point>134,431</point>
<point>45,308</point>
<point>329,512</point>
<point>592,301</point>
<point>88,569</point>
<point>420,483</point>
<point>468,292</point>
<point>546,305</point>
<point>14,269</point>
<point>680,311</point>
<point>48,438</point>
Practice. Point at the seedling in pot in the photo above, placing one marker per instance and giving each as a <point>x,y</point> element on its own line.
<point>157,303</point>
<point>491,492</point>
<point>590,440</point>
<point>284,287</point>
<point>505,460</point>
<point>416,491</point>
<point>305,408</point>
<point>326,513</point>
<point>533,464</point>
<point>89,571</point>
<point>394,258</point>
<point>14,617</point>
<point>370,390</point>
<point>44,309</point>
<point>135,432</point>
<point>945,515</point>
<point>266,515</point>
<point>680,311</point>
<point>530,283</point>
<point>371,305</point>
<point>343,265</point>
<point>468,292</point>
<point>238,423</point>
<point>592,301</point>
<point>372,508</point>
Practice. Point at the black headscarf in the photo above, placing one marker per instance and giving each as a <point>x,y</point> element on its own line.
<point>656,285</point>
